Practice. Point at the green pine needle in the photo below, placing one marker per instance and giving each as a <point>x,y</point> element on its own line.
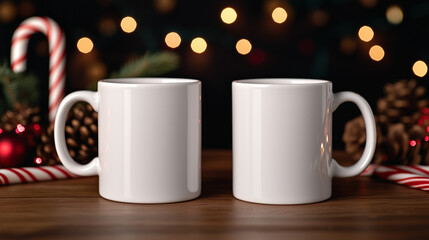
<point>17,88</point>
<point>149,65</point>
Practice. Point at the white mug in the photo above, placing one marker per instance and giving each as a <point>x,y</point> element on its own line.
<point>149,138</point>
<point>282,140</point>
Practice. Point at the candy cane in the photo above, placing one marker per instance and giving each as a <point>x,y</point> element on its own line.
<point>57,61</point>
<point>369,171</point>
<point>412,176</point>
<point>33,174</point>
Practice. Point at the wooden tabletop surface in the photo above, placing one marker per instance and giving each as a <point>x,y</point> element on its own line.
<point>360,208</point>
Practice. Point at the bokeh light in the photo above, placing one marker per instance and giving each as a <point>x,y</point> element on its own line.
<point>376,53</point>
<point>394,14</point>
<point>8,11</point>
<point>173,40</point>
<point>319,18</point>
<point>368,3</point>
<point>128,24</point>
<point>366,33</point>
<point>96,70</point>
<point>243,46</point>
<point>198,45</point>
<point>36,127</point>
<point>38,160</point>
<point>165,6</point>
<point>279,15</point>
<point>20,128</point>
<point>85,45</point>
<point>228,15</point>
<point>107,26</point>
<point>420,68</point>
<point>348,45</point>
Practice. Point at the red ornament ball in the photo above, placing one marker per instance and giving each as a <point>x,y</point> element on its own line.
<point>13,149</point>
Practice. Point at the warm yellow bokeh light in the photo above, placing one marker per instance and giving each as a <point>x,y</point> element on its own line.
<point>394,14</point>
<point>173,40</point>
<point>420,68</point>
<point>198,45</point>
<point>228,15</point>
<point>128,24</point>
<point>243,46</point>
<point>366,33</point>
<point>376,53</point>
<point>85,45</point>
<point>279,15</point>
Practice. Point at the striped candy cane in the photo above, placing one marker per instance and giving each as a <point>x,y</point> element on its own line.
<point>33,174</point>
<point>412,176</point>
<point>57,60</point>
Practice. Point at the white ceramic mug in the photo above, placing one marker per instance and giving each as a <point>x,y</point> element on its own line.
<point>282,140</point>
<point>149,138</point>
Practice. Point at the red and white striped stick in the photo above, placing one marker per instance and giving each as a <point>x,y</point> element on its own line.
<point>412,176</point>
<point>57,60</point>
<point>369,171</point>
<point>34,174</point>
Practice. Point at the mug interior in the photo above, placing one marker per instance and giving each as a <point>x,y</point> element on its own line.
<point>282,81</point>
<point>150,81</point>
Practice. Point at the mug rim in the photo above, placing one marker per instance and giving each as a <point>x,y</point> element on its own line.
<point>142,81</point>
<point>282,81</point>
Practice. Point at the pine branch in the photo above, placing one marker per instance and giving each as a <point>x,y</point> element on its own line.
<point>17,88</point>
<point>8,92</point>
<point>149,65</point>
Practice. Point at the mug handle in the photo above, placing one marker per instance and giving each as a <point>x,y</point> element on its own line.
<point>368,117</point>
<point>91,168</point>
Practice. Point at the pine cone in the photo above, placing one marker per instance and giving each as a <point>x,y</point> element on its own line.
<point>20,114</point>
<point>417,136</point>
<point>354,137</point>
<point>424,123</point>
<point>46,149</point>
<point>403,118</point>
<point>396,144</point>
<point>399,146</point>
<point>81,133</point>
<point>402,103</point>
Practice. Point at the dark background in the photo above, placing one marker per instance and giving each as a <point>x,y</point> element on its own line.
<point>318,40</point>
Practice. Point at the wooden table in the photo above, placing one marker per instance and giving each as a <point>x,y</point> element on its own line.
<point>360,208</point>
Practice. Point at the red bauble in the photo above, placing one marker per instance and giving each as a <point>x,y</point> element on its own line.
<point>13,149</point>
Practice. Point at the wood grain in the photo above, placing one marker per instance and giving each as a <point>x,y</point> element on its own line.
<point>360,208</point>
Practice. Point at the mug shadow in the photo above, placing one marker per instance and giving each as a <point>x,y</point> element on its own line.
<point>354,187</point>
<point>216,187</point>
